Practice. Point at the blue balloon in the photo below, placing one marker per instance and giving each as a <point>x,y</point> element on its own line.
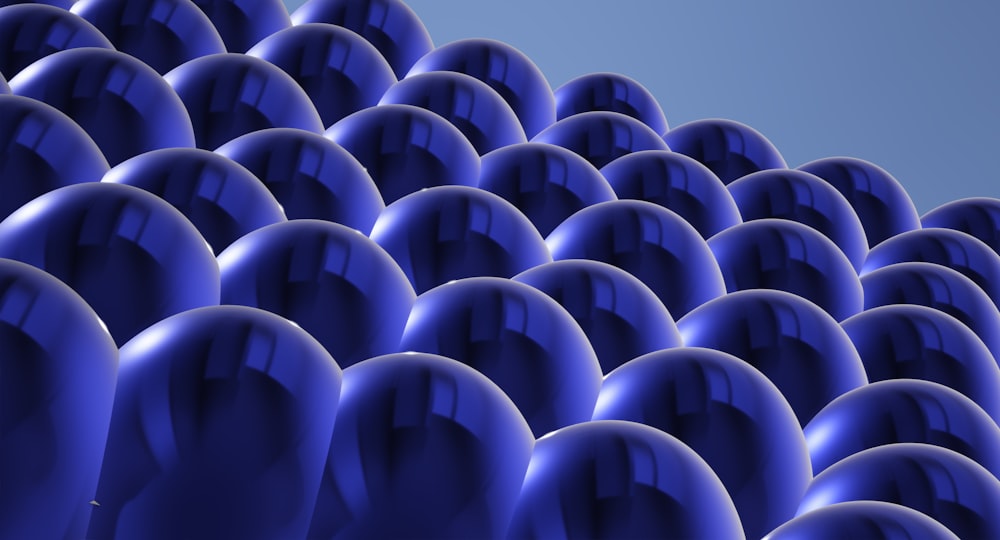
<point>423,447</point>
<point>134,258</point>
<point>4,87</point>
<point>601,137</point>
<point>242,23</point>
<point>221,425</point>
<point>59,368</point>
<point>871,520</point>
<point>42,149</point>
<point>977,216</point>
<point>221,198</point>
<point>64,4</point>
<point>943,484</point>
<point>609,92</point>
<point>453,232</point>
<point>123,104</point>
<point>480,113</point>
<point>340,71</point>
<point>406,148</point>
<point>797,345</point>
<point>505,69</point>
<point>878,199</point>
<point>392,27</point>
<point>727,412</point>
<point>614,479</point>
<point>906,341</point>
<point>230,94</point>
<point>330,279</point>
<point>547,183</point>
<point>162,33</point>
<point>799,196</point>
<point>650,242</point>
<point>730,149</point>
<point>677,183</point>
<point>29,32</point>
<point>311,176</point>
<point>792,257</point>
<point>517,336</point>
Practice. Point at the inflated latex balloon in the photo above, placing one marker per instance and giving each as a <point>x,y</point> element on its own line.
<point>730,149</point>
<point>134,258</point>
<point>614,479</point>
<point>230,94</point>
<point>221,425</point>
<point>788,256</point>
<point>406,148</point>
<point>332,280</point>
<point>58,370</point>
<point>162,33</point>
<point>242,23</point>
<point>609,92</point>
<point>907,341</point>
<point>42,149</point>
<point>601,137</point>
<point>340,71</point>
<point>675,182</point>
<point>517,336</point>
<point>797,345</point>
<point>123,104</point>
<point>878,199</point>
<point>547,183</point>
<point>423,447</point>
<point>650,242</point>
<point>871,520</point>
<point>505,69</point>
<point>807,199</point>
<point>220,197</point>
<point>311,176</point>
<point>392,27</point>
<point>453,232</point>
<point>622,317</point>
<point>943,484</point>
<point>727,412</point>
<point>29,32</point>
<point>469,104</point>
<point>977,216</point>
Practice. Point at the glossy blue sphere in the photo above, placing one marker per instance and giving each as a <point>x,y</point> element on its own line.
<point>977,216</point>
<point>243,23</point>
<point>29,32</point>
<point>871,520</point>
<point>63,4</point>
<point>601,137</point>
<point>609,92</point>
<point>730,149</point>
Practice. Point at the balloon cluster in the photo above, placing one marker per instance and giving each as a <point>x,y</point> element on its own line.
<point>283,276</point>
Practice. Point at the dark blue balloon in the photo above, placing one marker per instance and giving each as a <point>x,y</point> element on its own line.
<point>123,104</point>
<point>878,199</point>
<point>650,242</point>
<point>230,94</point>
<point>392,27</point>
<point>727,412</point>
<point>311,176</point>
<point>221,198</point>
<point>162,33</point>
<point>58,370</point>
<point>332,280</point>
<point>340,71</point>
<point>622,317</point>
<point>799,196</point>
<point>221,425</point>
<point>943,484</point>
<point>614,479</point>
<point>601,137</point>
<point>242,23</point>
<point>675,182</point>
<point>797,345</point>
<point>134,258</point>
<point>730,149</point>
<point>977,216</point>
<point>423,447</point>
<point>871,520</point>
<point>29,32</point>
<point>906,341</point>
<point>469,104</point>
<point>547,183</point>
<point>64,4</point>
<point>517,336</point>
<point>406,148</point>
<point>505,69</point>
<point>792,257</point>
<point>453,232</point>
<point>609,92</point>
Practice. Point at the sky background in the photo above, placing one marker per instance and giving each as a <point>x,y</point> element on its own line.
<point>913,86</point>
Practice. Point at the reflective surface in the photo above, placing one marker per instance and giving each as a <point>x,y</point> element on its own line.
<point>730,149</point>
<point>610,92</point>
<point>978,216</point>
<point>242,24</point>
<point>872,520</point>
<point>32,31</point>
<point>600,137</point>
